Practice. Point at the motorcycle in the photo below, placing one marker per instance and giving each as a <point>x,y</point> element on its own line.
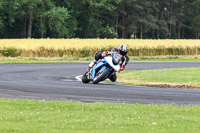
<point>103,69</point>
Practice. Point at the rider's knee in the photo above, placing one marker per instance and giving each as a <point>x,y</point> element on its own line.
<point>113,78</point>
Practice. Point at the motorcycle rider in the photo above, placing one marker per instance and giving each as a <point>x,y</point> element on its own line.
<point>123,49</point>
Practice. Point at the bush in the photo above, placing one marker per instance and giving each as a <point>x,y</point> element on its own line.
<point>10,52</point>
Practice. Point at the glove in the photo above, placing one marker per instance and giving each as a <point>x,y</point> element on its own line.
<point>122,68</point>
<point>104,53</point>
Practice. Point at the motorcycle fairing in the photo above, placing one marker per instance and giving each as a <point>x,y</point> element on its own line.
<point>115,67</point>
<point>98,66</point>
<point>102,64</point>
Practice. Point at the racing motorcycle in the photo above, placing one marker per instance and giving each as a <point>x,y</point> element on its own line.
<point>103,69</point>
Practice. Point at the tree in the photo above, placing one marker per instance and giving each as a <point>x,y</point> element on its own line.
<point>135,17</point>
<point>8,19</point>
<point>195,19</point>
<point>99,18</point>
<point>1,21</point>
<point>94,17</point>
<point>57,19</point>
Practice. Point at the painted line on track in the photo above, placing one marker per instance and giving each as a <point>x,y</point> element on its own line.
<point>78,77</point>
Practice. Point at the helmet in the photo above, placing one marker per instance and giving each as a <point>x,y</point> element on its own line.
<point>123,49</point>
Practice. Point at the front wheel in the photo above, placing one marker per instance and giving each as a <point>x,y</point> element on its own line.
<point>101,76</point>
<point>85,78</point>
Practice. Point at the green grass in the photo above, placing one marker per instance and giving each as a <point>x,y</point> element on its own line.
<point>167,60</point>
<point>29,116</point>
<point>42,61</point>
<point>175,77</point>
<point>88,59</point>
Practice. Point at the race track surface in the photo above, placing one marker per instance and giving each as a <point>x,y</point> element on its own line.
<point>57,82</point>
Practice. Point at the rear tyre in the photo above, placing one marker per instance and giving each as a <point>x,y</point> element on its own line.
<point>85,78</point>
<point>101,76</point>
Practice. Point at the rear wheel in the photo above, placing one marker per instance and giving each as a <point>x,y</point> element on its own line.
<point>101,76</point>
<point>85,78</point>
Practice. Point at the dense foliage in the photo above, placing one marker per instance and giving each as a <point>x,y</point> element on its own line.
<point>156,19</point>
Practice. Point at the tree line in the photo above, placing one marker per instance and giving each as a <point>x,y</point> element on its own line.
<point>144,19</point>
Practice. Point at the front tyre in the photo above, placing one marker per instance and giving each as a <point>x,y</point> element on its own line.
<point>101,76</point>
<point>85,78</point>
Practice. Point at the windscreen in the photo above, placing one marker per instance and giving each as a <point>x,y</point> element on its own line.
<point>116,58</point>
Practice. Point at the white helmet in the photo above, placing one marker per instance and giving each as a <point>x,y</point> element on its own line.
<point>123,49</point>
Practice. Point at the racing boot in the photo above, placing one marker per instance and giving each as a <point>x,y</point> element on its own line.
<point>92,63</point>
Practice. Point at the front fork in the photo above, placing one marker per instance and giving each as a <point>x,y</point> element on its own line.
<point>89,74</point>
<point>90,71</point>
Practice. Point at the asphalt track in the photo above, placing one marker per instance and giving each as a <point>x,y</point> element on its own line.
<point>57,82</point>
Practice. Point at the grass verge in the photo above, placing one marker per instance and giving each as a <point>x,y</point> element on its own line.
<point>52,116</point>
<point>172,78</point>
<point>44,60</point>
<point>88,59</point>
<point>166,59</point>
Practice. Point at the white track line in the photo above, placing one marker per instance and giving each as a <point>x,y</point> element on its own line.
<point>78,77</point>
